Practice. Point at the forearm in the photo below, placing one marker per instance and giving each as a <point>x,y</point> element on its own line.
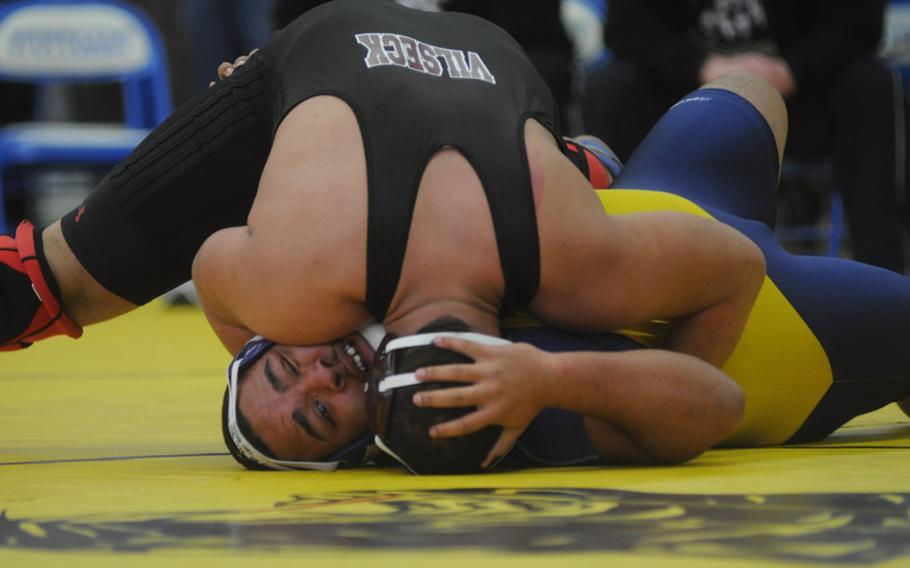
<point>711,334</point>
<point>698,273</point>
<point>671,407</point>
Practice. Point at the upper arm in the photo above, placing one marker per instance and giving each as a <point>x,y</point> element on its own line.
<point>668,265</point>
<point>644,266</point>
<point>247,283</point>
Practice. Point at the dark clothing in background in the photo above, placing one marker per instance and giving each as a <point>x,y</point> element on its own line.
<point>539,30</point>
<point>843,107</point>
<point>671,38</point>
<point>286,11</point>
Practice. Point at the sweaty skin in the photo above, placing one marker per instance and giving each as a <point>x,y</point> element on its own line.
<point>644,406</point>
<point>305,402</point>
<point>451,216</point>
<point>710,273</point>
<point>87,302</point>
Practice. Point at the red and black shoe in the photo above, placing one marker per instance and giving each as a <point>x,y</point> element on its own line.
<point>29,295</point>
<point>595,159</point>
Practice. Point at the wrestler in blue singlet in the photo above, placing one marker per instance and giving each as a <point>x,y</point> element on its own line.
<point>827,338</point>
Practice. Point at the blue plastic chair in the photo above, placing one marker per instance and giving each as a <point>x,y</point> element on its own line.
<point>584,20</point>
<point>832,231</point>
<point>47,42</point>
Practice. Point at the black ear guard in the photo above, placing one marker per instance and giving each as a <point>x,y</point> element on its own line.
<point>402,429</point>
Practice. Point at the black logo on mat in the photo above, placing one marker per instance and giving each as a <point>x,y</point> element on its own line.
<point>825,528</point>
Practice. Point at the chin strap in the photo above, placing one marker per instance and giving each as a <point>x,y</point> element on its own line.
<point>30,290</point>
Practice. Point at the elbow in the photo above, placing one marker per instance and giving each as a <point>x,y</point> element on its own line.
<point>724,410</point>
<point>730,411</point>
<point>754,265</point>
<point>212,277</point>
<point>678,458</point>
<point>722,417</point>
<point>678,455</point>
<point>214,263</point>
<point>197,271</point>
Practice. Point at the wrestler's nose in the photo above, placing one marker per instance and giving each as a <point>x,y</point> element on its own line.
<point>327,375</point>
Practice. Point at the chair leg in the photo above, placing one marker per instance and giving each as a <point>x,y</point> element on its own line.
<point>835,234</point>
<point>4,229</point>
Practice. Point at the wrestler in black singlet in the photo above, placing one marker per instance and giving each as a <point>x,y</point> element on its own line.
<point>417,81</point>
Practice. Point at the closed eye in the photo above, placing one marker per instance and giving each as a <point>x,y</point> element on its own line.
<point>323,411</point>
<point>300,418</point>
<point>289,366</point>
<point>273,379</point>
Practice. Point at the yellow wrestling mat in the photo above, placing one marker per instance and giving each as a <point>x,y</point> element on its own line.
<point>111,455</point>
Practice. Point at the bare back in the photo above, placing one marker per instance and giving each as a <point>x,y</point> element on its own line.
<point>308,225</point>
<point>307,235</point>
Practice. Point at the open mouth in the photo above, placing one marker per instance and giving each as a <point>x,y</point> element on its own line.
<point>356,354</point>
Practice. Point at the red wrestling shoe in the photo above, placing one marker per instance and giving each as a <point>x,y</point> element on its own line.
<point>29,294</point>
<point>595,159</point>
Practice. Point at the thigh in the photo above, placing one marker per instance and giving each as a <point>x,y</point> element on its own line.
<point>713,148</point>
<point>860,315</point>
<point>138,232</point>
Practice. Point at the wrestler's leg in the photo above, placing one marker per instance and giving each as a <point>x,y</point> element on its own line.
<point>860,315</point>
<point>135,236</point>
<point>83,299</point>
<point>764,97</point>
<point>714,141</point>
<point>720,147</point>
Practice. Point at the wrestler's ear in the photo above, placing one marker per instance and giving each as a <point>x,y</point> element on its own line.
<point>30,291</point>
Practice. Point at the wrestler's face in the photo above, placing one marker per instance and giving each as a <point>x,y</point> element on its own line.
<point>306,402</point>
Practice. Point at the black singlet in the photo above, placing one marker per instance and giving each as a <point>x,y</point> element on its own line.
<point>419,81</point>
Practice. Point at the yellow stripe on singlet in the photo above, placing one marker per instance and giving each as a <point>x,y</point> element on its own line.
<point>778,361</point>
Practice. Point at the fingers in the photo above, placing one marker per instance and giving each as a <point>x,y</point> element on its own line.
<point>471,423</point>
<point>459,373</point>
<point>472,349</point>
<point>470,372</point>
<point>242,59</point>
<point>467,424</point>
<point>457,397</point>
<point>225,70</point>
<point>502,446</point>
